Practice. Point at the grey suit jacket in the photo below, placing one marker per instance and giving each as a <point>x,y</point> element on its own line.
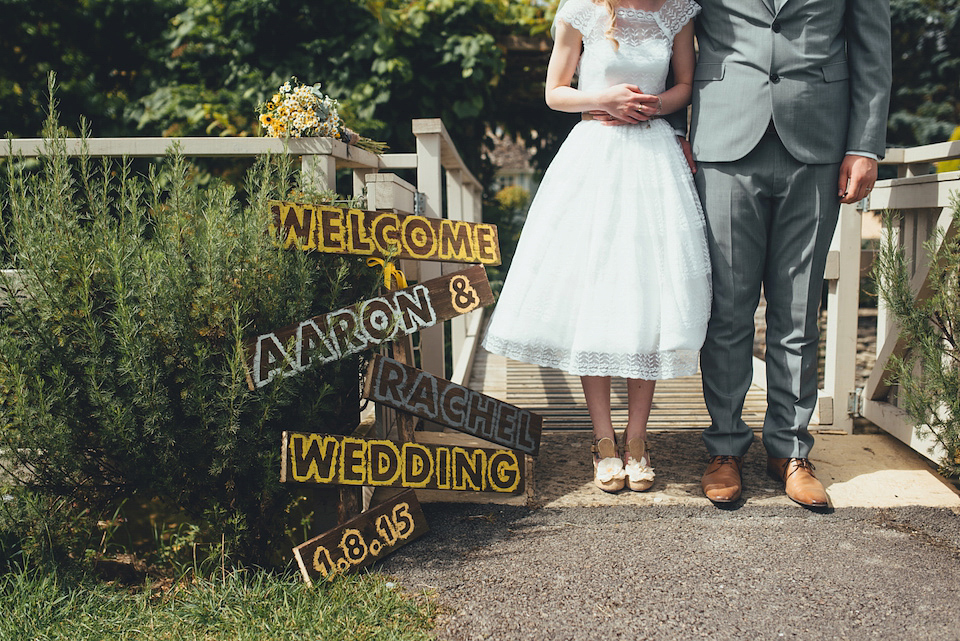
<point>820,69</point>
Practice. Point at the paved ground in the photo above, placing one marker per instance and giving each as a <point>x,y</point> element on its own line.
<point>882,562</point>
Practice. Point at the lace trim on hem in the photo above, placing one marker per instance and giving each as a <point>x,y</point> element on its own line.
<point>658,366</point>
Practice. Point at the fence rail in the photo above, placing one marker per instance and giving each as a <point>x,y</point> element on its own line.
<point>445,189</point>
<point>923,200</point>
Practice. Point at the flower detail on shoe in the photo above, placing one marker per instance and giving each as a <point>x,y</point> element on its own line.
<point>609,469</point>
<point>638,471</point>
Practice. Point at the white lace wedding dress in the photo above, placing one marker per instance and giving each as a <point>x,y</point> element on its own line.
<point>611,275</point>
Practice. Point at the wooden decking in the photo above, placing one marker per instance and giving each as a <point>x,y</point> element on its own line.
<point>558,397</point>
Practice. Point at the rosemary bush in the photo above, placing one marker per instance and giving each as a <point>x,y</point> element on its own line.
<point>928,373</point>
<point>122,369</point>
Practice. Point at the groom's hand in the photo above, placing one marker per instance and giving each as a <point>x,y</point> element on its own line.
<point>857,175</point>
<point>687,153</point>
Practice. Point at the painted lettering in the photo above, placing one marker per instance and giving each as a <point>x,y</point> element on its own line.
<point>313,457</point>
<point>468,469</point>
<point>483,414</point>
<point>415,308</point>
<point>342,460</point>
<point>411,390</point>
<point>487,244</point>
<point>331,229</point>
<point>384,461</point>
<point>353,461</point>
<point>419,237</point>
<point>378,320</point>
<point>423,398</point>
<point>456,242</point>
<point>363,539</point>
<point>357,231</point>
<point>504,471</point>
<point>342,231</point>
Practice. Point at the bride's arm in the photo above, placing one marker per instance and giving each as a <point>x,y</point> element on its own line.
<point>620,101</point>
<point>683,61</point>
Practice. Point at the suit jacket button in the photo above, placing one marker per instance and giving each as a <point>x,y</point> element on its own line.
<point>775,26</point>
<point>774,78</point>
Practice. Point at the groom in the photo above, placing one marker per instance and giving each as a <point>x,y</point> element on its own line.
<point>789,116</point>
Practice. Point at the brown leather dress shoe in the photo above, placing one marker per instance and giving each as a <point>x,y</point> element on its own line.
<point>721,480</point>
<point>800,483</point>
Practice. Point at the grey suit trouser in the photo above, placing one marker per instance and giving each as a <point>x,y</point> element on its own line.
<point>770,220</point>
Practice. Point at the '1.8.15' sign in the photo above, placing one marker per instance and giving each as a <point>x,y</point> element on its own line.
<point>362,540</point>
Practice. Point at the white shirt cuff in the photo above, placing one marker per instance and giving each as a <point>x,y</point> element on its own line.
<point>865,154</point>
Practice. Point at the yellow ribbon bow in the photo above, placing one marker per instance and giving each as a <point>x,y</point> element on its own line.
<point>390,272</point>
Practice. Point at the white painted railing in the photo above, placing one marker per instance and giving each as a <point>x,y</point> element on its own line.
<point>923,202</point>
<point>437,164</point>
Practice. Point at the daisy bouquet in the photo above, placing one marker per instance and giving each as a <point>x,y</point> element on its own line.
<point>298,110</point>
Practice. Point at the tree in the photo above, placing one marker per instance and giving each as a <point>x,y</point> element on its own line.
<point>925,106</point>
<point>104,50</point>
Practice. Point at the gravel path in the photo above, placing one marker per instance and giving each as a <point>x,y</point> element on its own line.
<point>687,572</point>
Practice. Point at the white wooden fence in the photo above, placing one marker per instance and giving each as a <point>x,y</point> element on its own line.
<point>445,189</point>
<point>923,202</point>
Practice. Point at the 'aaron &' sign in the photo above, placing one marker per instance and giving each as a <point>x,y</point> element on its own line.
<point>342,460</point>
<point>370,233</point>
<point>363,539</point>
<point>332,336</point>
<point>405,388</point>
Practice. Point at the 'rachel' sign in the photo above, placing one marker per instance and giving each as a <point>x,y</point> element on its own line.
<point>406,388</point>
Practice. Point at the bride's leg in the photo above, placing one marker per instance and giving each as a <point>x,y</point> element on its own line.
<point>607,466</point>
<point>635,457</point>
<point>596,389</point>
<point>639,401</point>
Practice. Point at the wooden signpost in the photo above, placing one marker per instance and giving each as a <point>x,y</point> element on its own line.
<point>350,461</point>
<point>332,336</point>
<point>362,540</point>
<point>411,390</point>
<point>342,460</point>
<point>383,234</point>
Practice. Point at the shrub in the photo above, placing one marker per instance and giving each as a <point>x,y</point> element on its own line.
<point>928,373</point>
<point>122,369</point>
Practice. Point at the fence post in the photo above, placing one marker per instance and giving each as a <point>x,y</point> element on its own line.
<point>429,177</point>
<point>319,171</point>
<point>843,304</point>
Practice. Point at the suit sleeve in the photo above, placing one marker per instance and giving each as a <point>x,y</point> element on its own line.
<point>867,26</point>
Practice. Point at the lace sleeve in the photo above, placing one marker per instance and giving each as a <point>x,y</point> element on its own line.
<point>676,13</point>
<point>579,14</point>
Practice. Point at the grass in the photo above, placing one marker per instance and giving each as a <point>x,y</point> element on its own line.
<point>242,606</point>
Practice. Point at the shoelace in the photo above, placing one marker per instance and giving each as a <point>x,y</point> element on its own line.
<point>802,464</point>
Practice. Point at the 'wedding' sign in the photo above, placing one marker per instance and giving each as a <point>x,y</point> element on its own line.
<point>344,460</point>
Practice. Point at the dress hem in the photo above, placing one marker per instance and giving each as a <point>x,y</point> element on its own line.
<point>651,367</point>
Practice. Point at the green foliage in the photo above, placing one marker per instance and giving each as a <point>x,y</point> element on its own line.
<point>507,211</point>
<point>122,370</point>
<point>929,371</point>
<point>241,606</point>
<point>925,106</point>
<point>105,50</point>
